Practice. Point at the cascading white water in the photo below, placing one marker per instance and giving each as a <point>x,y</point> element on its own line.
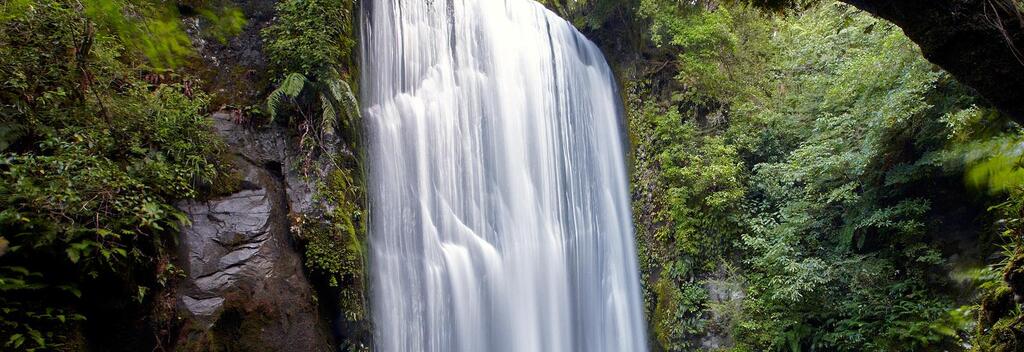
<point>500,219</point>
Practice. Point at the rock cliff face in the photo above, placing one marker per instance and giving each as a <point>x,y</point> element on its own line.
<point>235,70</point>
<point>245,287</point>
<point>978,41</point>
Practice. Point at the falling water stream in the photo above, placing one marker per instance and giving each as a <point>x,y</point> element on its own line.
<point>500,219</point>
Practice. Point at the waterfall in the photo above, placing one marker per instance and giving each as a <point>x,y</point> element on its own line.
<point>499,212</point>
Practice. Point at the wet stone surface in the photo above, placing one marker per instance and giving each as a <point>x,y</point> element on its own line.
<point>244,282</point>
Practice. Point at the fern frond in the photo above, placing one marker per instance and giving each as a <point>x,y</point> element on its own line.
<point>345,100</point>
<point>290,87</point>
<point>330,118</point>
<point>350,102</point>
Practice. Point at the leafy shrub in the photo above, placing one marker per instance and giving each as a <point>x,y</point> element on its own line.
<point>704,179</point>
<point>679,314</point>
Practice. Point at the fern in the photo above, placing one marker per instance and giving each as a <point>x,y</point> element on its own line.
<point>330,116</point>
<point>338,104</point>
<point>343,93</point>
<point>291,87</point>
<point>342,99</point>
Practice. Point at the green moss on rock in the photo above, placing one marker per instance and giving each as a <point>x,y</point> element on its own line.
<point>679,315</point>
<point>334,236</point>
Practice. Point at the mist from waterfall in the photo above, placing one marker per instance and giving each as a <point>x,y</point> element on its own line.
<point>499,212</point>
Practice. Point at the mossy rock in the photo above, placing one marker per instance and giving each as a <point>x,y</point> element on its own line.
<point>996,305</point>
<point>1013,274</point>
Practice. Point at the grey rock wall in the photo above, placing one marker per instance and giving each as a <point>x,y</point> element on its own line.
<point>245,288</point>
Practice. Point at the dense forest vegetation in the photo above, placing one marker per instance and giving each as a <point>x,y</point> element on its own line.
<point>806,180</point>
<point>97,140</point>
<point>105,126</point>
<point>803,178</point>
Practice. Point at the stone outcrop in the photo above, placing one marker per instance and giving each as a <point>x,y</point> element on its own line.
<point>235,69</point>
<point>979,42</point>
<point>245,287</point>
<point>728,296</point>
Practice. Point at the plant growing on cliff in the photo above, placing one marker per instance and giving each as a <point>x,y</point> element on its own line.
<point>91,159</point>
<point>309,47</point>
<point>335,245</point>
<point>338,106</point>
<point>998,314</point>
<point>311,37</point>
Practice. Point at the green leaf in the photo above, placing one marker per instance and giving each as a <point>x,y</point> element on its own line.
<point>73,290</point>
<point>37,337</point>
<point>141,293</point>
<point>290,87</point>
<point>16,340</point>
<point>73,254</point>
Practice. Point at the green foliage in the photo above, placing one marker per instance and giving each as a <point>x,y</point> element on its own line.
<point>335,244</point>
<point>153,28</point>
<point>703,177</point>
<point>91,159</point>
<point>291,87</point>
<point>340,110</point>
<point>695,198</point>
<point>310,47</point>
<point>806,151</point>
<point>998,313</point>
<point>310,37</point>
<point>996,164</point>
<point>839,253</point>
<point>678,315</point>
<point>717,49</point>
